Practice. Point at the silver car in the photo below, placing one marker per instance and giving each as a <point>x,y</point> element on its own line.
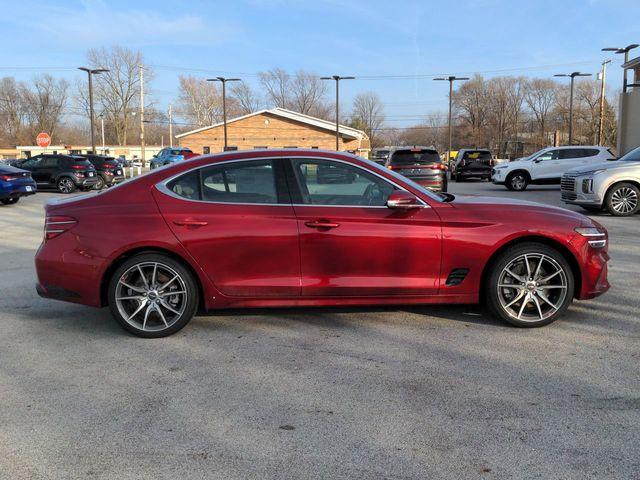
<point>613,185</point>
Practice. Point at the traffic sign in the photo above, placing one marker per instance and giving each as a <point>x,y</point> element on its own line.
<point>43,140</point>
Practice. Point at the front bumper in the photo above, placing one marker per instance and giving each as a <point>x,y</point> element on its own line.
<point>498,176</point>
<point>572,191</point>
<point>593,268</point>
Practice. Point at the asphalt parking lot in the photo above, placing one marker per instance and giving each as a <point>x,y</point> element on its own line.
<point>420,392</point>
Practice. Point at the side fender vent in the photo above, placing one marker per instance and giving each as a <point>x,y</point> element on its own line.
<point>456,276</point>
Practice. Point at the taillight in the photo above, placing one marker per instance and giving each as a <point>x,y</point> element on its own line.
<point>78,167</point>
<point>57,225</point>
<point>439,166</point>
<point>8,178</point>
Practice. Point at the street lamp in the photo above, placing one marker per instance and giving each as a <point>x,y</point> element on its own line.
<point>224,81</point>
<point>337,79</point>
<point>624,50</point>
<point>572,76</point>
<point>450,79</point>
<point>90,73</point>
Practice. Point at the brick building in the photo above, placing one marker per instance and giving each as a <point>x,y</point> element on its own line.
<point>275,128</point>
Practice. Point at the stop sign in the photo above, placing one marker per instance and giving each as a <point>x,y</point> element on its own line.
<point>43,140</point>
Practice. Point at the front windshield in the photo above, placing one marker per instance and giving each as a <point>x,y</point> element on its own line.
<point>632,156</point>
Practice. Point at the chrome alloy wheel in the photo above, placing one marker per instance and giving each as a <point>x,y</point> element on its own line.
<point>624,200</point>
<point>65,185</point>
<point>532,287</point>
<point>518,182</point>
<point>151,296</point>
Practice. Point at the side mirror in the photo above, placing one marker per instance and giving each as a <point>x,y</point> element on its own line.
<point>402,200</point>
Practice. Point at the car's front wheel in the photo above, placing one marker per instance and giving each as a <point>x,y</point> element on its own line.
<point>66,185</point>
<point>517,181</point>
<point>529,285</point>
<point>623,199</point>
<point>152,295</point>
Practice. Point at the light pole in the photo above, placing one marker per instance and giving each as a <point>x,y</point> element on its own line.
<point>90,73</point>
<point>224,81</point>
<point>450,79</point>
<point>624,50</point>
<point>573,76</point>
<point>102,130</point>
<point>602,93</point>
<point>337,79</point>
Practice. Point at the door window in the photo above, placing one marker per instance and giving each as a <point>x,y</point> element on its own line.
<point>31,162</point>
<point>50,162</point>
<point>550,155</point>
<point>325,182</point>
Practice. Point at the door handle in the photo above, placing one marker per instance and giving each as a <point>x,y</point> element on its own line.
<point>189,222</point>
<point>321,224</point>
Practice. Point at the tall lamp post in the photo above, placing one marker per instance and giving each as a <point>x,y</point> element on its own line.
<point>573,76</point>
<point>90,73</point>
<point>450,79</point>
<point>624,50</point>
<point>337,79</point>
<point>224,81</point>
<point>603,87</point>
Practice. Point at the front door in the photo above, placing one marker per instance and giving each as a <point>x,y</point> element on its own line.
<point>236,220</point>
<point>351,243</point>
<point>546,166</point>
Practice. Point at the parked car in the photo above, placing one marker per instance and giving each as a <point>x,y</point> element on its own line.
<point>170,155</point>
<point>66,173</point>
<point>110,172</point>
<point>547,166</point>
<point>612,185</point>
<point>255,229</point>
<point>420,164</point>
<point>15,183</point>
<point>380,155</point>
<point>472,163</point>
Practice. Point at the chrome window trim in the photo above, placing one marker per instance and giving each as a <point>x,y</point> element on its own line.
<point>162,186</point>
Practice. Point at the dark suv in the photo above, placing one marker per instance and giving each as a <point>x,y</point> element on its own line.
<point>109,170</point>
<point>472,164</point>
<point>420,164</point>
<point>66,173</point>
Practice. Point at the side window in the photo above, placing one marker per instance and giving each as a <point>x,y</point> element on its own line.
<point>206,150</point>
<point>31,162</point>
<point>50,162</point>
<point>325,182</point>
<point>240,182</point>
<point>187,185</point>
<point>591,152</point>
<point>550,155</point>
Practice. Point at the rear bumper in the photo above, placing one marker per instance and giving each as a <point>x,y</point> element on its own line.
<point>474,173</point>
<point>17,190</point>
<point>110,180</point>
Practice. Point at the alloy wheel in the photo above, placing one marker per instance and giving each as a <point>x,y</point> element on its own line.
<point>624,200</point>
<point>518,182</point>
<point>65,185</point>
<point>151,296</point>
<point>532,287</point>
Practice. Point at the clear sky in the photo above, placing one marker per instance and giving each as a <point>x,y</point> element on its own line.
<point>346,37</point>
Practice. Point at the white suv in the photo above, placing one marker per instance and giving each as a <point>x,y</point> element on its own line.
<point>547,166</point>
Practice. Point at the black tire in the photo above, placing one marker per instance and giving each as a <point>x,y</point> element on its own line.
<point>187,312</point>
<point>613,200</point>
<point>10,201</point>
<point>493,293</point>
<point>592,208</point>
<point>66,185</point>
<point>517,181</point>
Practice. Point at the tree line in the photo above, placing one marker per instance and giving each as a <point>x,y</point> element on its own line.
<point>506,114</point>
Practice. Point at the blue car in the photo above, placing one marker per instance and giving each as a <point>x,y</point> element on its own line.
<point>170,155</point>
<point>15,183</point>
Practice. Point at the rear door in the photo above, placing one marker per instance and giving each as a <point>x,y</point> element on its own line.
<point>351,243</point>
<point>235,218</point>
<point>48,169</point>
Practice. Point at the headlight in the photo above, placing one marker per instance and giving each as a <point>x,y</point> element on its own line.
<point>597,237</point>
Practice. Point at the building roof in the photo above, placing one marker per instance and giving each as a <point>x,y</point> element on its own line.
<point>632,63</point>
<point>291,115</point>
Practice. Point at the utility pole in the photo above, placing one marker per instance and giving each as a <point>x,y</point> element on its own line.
<point>337,79</point>
<point>102,131</point>
<point>170,128</point>
<point>90,73</point>
<point>572,76</point>
<point>450,79</point>
<point>224,81</point>
<point>602,93</point>
<point>142,155</point>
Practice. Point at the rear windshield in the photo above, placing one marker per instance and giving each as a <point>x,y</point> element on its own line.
<point>414,157</point>
<point>181,151</point>
<point>476,155</point>
<point>382,153</point>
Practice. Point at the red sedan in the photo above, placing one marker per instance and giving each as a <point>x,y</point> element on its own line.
<point>309,228</point>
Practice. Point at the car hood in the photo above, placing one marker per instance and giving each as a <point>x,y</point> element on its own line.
<point>488,204</point>
<point>609,164</point>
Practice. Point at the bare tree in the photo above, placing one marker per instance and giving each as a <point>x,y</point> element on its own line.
<point>368,111</point>
<point>307,92</point>
<point>277,84</point>
<point>44,103</point>
<point>199,101</point>
<point>246,99</point>
<point>471,99</point>
<point>540,96</point>
<point>117,92</point>
<point>12,112</point>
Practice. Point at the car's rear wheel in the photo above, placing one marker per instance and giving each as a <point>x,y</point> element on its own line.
<point>517,181</point>
<point>66,185</point>
<point>152,295</point>
<point>100,184</point>
<point>623,199</point>
<point>10,201</point>
<point>529,285</point>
